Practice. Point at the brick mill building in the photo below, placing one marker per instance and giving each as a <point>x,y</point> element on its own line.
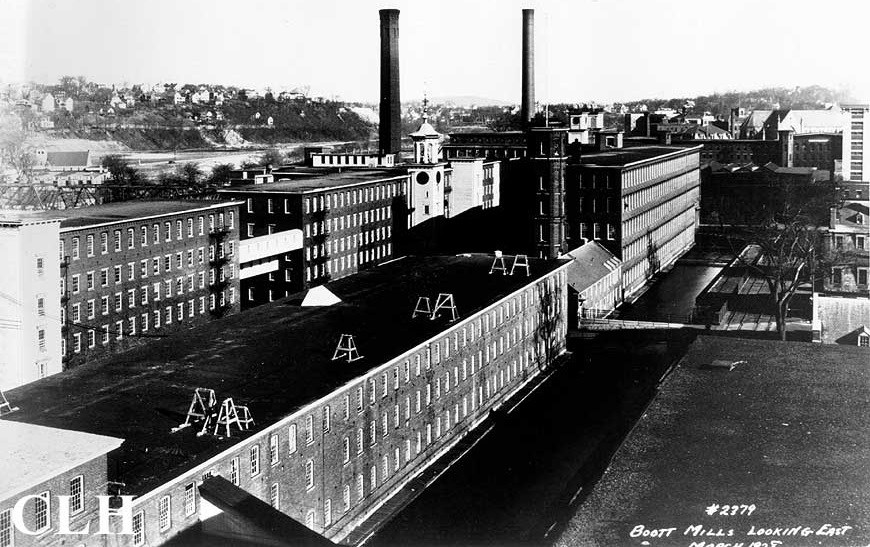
<point>122,274</point>
<point>334,434</point>
<point>49,462</point>
<point>343,221</point>
<point>641,203</point>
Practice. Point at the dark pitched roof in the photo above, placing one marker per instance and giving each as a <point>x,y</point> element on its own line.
<point>68,159</point>
<point>590,263</point>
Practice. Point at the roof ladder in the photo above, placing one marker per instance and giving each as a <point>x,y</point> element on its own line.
<point>229,415</point>
<point>498,264</point>
<point>202,407</point>
<point>423,307</point>
<point>5,407</point>
<point>521,261</point>
<point>346,349</point>
<point>445,302</point>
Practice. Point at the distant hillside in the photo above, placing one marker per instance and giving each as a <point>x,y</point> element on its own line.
<point>141,121</point>
<point>800,98</point>
<point>468,101</point>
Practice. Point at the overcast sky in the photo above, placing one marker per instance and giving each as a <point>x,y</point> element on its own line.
<point>602,50</point>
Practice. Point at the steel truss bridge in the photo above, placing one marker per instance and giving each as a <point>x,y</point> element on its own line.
<point>50,197</point>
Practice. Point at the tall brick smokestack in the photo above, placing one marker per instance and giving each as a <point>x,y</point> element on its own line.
<point>528,104</point>
<point>390,132</point>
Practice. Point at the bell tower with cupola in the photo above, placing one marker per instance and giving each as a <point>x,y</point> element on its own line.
<point>426,196</point>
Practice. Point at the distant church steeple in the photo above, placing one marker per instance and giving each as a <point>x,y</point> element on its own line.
<point>426,139</point>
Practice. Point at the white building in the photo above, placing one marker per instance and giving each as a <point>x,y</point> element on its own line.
<point>594,281</point>
<point>475,183</point>
<point>856,144</point>
<point>30,307</point>
<point>48,103</point>
<point>428,178</point>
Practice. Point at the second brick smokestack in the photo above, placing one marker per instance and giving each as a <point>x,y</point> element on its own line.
<point>528,104</point>
<point>390,131</point>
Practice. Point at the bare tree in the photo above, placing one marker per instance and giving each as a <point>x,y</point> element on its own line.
<point>789,241</point>
<point>15,149</point>
<point>548,324</point>
<point>190,173</point>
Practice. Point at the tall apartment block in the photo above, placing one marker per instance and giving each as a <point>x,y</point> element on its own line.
<point>98,280</point>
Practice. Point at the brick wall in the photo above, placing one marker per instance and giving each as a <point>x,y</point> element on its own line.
<point>484,368</point>
<point>204,259</point>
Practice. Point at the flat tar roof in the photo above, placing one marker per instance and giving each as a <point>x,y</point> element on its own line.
<point>303,179</point>
<point>785,431</point>
<point>623,156</point>
<point>275,358</point>
<point>111,212</point>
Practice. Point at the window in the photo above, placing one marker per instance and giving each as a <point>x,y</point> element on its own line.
<point>164,513</point>
<point>76,495</point>
<point>327,512</point>
<point>104,242</point>
<point>309,429</point>
<point>346,449</point>
<point>273,449</point>
<point>255,460</point>
<point>189,500</point>
<point>139,528</point>
<point>6,528</point>
<point>89,246</point>
<point>291,438</point>
<point>360,487</point>
<point>346,497</point>
<point>326,418</point>
<point>274,496</point>
<point>864,340</point>
<point>117,240</point>
<point>234,471</point>
<point>309,475</point>
<point>42,511</point>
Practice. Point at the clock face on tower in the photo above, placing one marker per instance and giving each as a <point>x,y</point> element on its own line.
<point>422,177</point>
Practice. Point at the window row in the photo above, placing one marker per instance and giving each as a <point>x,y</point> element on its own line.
<point>154,234</point>
<point>642,222</point>
<point>654,193</point>
<point>41,505</point>
<point>353,197</point>
<point>646,173</point>
<point>141,323</point>
<point>116,275</point>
